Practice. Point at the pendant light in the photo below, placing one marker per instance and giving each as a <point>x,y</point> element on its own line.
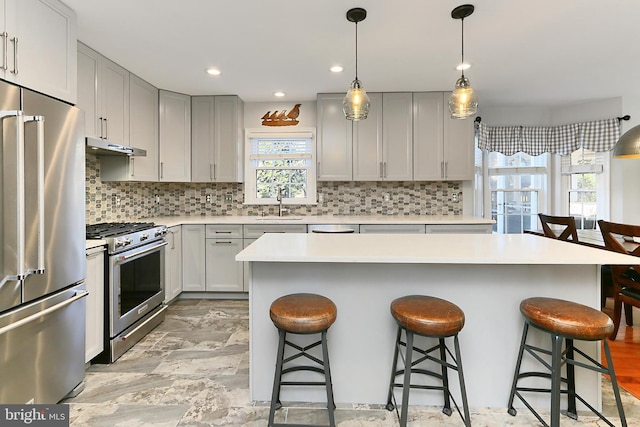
<point>628,146</point>
<point>356,103</point>
<point>463,101</point>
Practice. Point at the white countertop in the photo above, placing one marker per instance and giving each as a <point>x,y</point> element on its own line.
<point>426,249</point>
<point>170,221</point>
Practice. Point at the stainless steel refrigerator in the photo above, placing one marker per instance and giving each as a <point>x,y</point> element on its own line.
<point>42,247</point>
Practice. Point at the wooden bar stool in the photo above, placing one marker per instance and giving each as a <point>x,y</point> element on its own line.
<point>435,318</point>
<point>302,314</point>
<point>564,321</point>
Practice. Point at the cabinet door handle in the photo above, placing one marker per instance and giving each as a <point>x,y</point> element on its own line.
<point>214,171</point>
<point>133,166</point>
<point>381,173</point>
<point>445,169</point>
<point>222,232</point>
<point>5,42</point>
<point>384,169</point>
<point>210,172</point>
<point>161,169</point>
<point>223,243</point>
<point>15,55</point>
<point>106,129</point>
<point>318,170</point>
<point>441,169</point>
<point>101,127</point>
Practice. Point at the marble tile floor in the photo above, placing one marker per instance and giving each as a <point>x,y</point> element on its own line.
<point>193,371</point>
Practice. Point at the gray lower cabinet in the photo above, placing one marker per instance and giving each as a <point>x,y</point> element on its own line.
<point>392,228</point>
<point>223,272</point>
<point>460,228</point>
<point>94,342</point>
<point>173,264</point>
<point>193,258</point>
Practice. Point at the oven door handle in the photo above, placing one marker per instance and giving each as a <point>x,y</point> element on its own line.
<point>142,252</point>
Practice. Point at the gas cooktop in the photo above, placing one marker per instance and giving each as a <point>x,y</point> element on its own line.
<point>109,229</point>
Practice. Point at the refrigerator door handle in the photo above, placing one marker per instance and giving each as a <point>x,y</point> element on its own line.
<point>20,196</point>
<point>39,121</point>
<point>40,314</point>
<point>5,40</point>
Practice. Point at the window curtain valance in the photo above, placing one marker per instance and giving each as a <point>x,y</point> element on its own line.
<point>600,135</point>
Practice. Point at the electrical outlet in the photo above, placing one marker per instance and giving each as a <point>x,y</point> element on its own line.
<point>208,198</point>
<point>228,197</point>
<point>320,198</point>
<point>386,197</point>
<point>157,199</point>
<point>455,198</point>
<point>117,201</point>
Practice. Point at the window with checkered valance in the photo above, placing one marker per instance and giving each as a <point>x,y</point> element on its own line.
<point>600,135</point>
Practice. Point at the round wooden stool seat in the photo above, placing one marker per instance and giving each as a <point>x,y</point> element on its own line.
<point>567,318</point>
<point>426,315</point>
<point>303,313</point>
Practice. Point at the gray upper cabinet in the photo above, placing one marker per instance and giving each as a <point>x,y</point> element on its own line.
<point>397,136</point>
<point>367,143</point>
<point>40,46</point>
<point>143,133</point>
<point>383,143</point>
<point>143,128</point>
<point>113,101</point>
<point>335,139</point>
<point>443,147</point>
<point>217,139</point>
<point>103,94</point>
<point>175,137</point>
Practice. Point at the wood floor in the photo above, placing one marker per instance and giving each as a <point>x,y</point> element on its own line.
<point>625,351</point>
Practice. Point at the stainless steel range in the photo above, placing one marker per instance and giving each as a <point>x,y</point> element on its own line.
<point>134,272</point>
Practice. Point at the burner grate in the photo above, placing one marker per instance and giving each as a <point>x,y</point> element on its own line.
<point>108,229</point>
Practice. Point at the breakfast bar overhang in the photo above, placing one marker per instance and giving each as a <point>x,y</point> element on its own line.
<point>486,275</point>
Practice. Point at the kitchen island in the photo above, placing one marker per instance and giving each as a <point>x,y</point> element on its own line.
<point>486,275</point>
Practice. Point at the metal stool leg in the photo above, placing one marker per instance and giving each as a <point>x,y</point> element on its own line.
<point>275,395</point>
<point>445,378</point>
<point>556,378</point>
<point>327,377</point>
<point>614,383</point>
<point>463,390</point>
<point>407,378</point>
<point>390,406</point>
<point>510,409</point>
<point>572,412</point>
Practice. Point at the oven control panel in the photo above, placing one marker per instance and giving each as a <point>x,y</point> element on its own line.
<point>134,239</point>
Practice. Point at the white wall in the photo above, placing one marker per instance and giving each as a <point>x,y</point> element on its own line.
<point>253,112</point>
<point>625,177</point>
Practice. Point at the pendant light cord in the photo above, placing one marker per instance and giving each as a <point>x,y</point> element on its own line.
<point>462,65</point>
<point>356,51</point>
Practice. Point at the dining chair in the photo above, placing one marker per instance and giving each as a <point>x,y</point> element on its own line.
<point>626,278</point>
<point>568,233</point>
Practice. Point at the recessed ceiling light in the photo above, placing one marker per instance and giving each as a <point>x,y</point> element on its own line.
<point>336,69</point>
<point>279,94</point>
<point>213,71</point>
<point>463,67</point>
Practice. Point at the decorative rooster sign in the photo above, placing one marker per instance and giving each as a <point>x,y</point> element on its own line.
<point>282,118</point>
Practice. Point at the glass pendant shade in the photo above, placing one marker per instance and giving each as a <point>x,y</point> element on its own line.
<point>628,146</point>
<point>356,103</point>
<point>463,101</point>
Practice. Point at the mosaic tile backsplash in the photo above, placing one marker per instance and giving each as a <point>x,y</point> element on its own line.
<point>130,201</point>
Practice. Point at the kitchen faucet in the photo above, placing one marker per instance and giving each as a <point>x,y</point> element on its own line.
<point>279,199</point>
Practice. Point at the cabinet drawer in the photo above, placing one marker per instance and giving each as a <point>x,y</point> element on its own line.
<point>392,228</point>
<point>252,231</point>
<point>232,231</point>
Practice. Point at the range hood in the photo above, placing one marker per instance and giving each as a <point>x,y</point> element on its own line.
<point>106,148</point>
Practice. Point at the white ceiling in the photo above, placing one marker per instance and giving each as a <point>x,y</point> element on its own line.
<point>523,53</point>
